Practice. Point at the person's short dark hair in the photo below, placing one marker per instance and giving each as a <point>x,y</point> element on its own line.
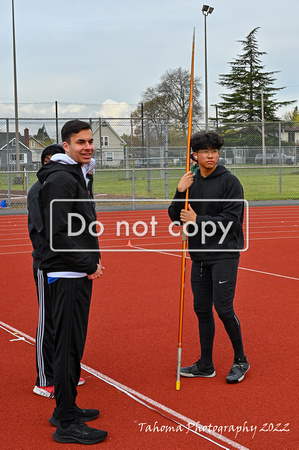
<point>205,140</point>
<point>50,150</point>
<point>73,127</point>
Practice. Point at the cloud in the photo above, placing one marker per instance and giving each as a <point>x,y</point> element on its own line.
<point>25,110</point>
<point>111,108</point>
<point>32,110</point>
<point>71,110</point>
<point>108,109</point>
<point>6,110</point>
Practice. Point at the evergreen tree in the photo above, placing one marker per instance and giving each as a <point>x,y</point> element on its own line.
<point>42,136</point>
<point>248,83</point>
<point>292,116</point>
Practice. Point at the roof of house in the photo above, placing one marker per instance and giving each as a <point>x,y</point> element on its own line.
<point>105,123</point>
<point>11,136</point>
<point>291,128</point>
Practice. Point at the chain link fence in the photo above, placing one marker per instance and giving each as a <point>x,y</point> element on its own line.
<point>139,159</point>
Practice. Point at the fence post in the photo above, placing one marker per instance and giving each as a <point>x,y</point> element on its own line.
<point>56,120</point>
<point>8,190</point>
<point>166,160</point>
<point>127,163</point>
<point>280,158</point>
<point>8,164</point>
<point>133,189</point>
<point>148,157</point>
<point>27,174</point>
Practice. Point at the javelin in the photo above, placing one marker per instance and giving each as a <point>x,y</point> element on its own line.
<point>184,237</point>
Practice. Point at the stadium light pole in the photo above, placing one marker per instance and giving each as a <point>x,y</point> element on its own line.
<point>263,127</point>
<point>15,89</point>
<point>206,10</point>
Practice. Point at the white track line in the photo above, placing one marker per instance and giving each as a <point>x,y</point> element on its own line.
<point>132,393</point>
<point>15,245</point>
<point>15,253</point>
<point>14,331</point>
<point>242,268</point>
<point>179,256</point>
<point>269,273</point>
<point>146,401</point>
<point>273,238</point>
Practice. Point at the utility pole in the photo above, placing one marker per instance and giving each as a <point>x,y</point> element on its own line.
<point>15,90</point>
<point>206,9</point>
<point>263,127</point>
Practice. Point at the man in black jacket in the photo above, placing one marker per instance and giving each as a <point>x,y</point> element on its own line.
<point>213,223</point>
<point>45,330</point>
<point>71,258</point>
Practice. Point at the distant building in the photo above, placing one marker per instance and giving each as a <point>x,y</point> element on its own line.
<point>109,146</point>
<point>291,134</point>
<point>30,150</point>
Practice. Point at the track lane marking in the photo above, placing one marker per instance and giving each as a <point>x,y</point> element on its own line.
<point>143,399</point>
<point>242,268</point>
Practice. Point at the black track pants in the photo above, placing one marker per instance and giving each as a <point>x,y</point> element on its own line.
<point>71,302</point>
<point>213,283</point>
<point>44,332</point>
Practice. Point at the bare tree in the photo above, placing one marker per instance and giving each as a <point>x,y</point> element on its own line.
<point>170,99</point>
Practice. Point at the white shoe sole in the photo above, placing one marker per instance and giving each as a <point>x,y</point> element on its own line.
<point>239,379</point>
<point>190,375</point>
<point>42,392</point>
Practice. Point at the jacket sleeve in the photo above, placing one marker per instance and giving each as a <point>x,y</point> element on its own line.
<point>228,211</point>
<point>34,220</point>
<point>35,223</point>
<point>72,251</point>
<point>176,206</point>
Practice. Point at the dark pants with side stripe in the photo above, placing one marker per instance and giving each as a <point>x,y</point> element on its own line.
<point>44,332</point>
<point>213,283</point>
<point>71,301</point>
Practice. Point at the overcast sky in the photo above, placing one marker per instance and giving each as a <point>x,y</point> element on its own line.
<point>96,57</point>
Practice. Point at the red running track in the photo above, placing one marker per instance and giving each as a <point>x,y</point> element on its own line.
<point>131,347</point>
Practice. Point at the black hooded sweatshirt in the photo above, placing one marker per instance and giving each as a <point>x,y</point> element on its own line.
<point>223,215</point>
<point>72,253</point>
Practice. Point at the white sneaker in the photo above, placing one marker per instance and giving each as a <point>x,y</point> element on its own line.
<point>44,391</point>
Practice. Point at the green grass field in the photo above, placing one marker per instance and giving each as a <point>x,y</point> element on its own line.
<point>259,183</point>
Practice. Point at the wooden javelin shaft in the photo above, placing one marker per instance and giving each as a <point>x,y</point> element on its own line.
<point>184,237</point>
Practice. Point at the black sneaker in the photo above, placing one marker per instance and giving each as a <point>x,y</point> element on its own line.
<point>238,371</point>
<point>198,370</point>
<point>78,432</point>
<point>86,415</point>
